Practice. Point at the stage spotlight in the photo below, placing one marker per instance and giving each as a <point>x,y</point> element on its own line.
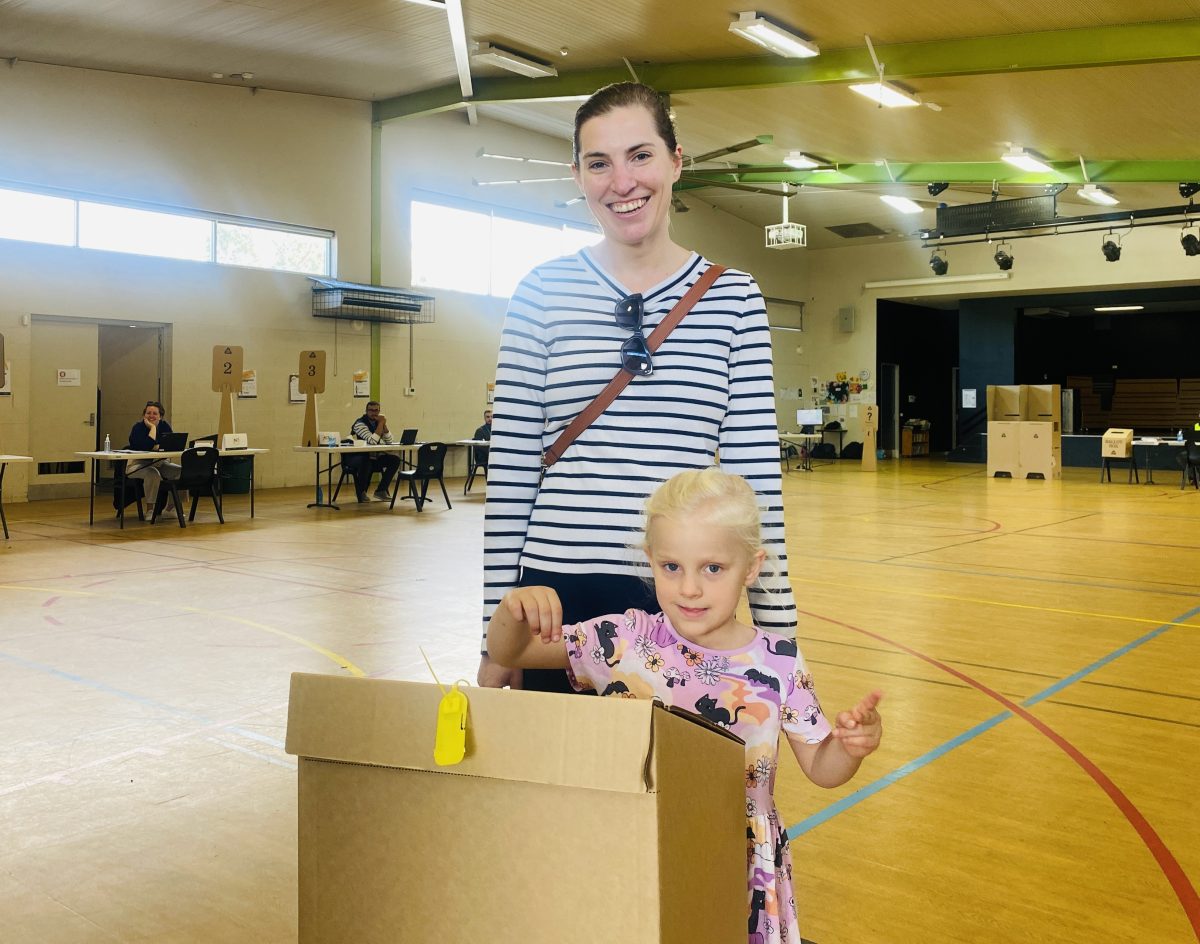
<point>1188,190</point>
<point>939,264</point>
<point>936,188</point>
<point>1004,260</point>
<point>1111,250</point>
<point>1190,244</point>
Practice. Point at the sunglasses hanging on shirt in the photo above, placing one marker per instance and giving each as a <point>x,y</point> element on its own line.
<point>635,353</point>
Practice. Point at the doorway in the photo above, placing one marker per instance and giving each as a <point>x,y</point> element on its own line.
<point>91,378</point>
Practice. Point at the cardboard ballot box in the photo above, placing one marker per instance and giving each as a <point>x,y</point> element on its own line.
<point>1117,444</point>
<point>570,819</point>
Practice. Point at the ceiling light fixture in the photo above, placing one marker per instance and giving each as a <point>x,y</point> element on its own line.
<point>936,187</point>
<point>512,61</point>
<point>1004,260</point>
<point>523,160</point>
<point>1111,250</point>
<point>903,204</point>
<point>749,25</point>
<point>1096,194</point>
<point>1189,190</point>
<point>1119,308</point>
<point>939,264</point>
<point>886,94</point>
<point>1190,244</point>
<point>1026,160</point>
<point>801,161</point>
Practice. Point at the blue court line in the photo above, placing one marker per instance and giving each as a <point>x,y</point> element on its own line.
<point>139,699</point>
<point>864,793</point>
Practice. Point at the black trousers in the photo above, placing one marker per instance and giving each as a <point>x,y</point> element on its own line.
<point>363,467</point>
<point>584,596</point>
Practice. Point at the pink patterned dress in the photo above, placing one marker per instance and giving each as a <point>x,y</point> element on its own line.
<point>755,691</point>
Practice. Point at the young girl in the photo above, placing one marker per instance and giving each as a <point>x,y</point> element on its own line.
<point>702,540</point>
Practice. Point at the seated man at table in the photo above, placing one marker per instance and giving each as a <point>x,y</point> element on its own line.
<point>483,432</point>
<point>372,427</point>
<point>144,437</point>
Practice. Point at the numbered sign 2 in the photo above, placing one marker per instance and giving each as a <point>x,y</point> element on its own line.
<point>227,368</point>
<point>312,371</point>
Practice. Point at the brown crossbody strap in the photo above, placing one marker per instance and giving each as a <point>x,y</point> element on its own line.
<point>617,384</point>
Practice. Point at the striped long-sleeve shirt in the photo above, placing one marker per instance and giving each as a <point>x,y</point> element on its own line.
<point>712,388</point>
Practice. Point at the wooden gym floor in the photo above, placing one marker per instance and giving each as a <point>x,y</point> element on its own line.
<point>1037,643</point>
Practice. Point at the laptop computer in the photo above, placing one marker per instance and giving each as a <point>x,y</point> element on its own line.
<point>173,442</point>
<point>408,437</point>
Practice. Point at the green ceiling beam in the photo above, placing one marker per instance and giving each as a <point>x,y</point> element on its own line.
<point>1064,172</point>
<point>1131,44</point>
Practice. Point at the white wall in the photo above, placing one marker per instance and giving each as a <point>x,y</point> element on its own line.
<point>273,156</point>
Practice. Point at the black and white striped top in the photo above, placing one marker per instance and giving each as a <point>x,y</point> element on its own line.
<point>711,388</point>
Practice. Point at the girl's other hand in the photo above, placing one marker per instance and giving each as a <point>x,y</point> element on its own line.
<point>861,728</point>
<point>540,607</point>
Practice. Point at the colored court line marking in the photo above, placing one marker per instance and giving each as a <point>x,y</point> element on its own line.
<point>1178,621</point>
<point>340,660</point>
<point>1185,892</point>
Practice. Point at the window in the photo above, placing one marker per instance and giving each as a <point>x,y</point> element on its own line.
<point>476,249</point>
<point>280,249</point>
<point>194,236</point>
<point>37,218</point>
<point>144,232</point>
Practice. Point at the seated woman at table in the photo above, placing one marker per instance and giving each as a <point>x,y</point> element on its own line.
<point>144,437</point>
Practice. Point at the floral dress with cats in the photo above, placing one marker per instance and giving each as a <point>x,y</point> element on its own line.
<point>756,691</point>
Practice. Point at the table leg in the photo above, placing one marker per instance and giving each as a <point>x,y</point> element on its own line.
<point>1149,465</point>
<point>92,496</point>
<point>3,520</point>
<point>251,457</point>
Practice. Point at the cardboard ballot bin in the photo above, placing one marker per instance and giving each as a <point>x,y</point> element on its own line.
<point>570,819</point>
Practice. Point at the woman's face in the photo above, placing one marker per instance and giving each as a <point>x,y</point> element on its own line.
<point>151,415</point>
<point>625,172</point>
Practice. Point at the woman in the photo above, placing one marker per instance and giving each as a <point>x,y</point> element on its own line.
<point>708,386</point>
<point>144,437</point>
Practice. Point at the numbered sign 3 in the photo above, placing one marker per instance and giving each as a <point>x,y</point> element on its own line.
<point>312,371</point>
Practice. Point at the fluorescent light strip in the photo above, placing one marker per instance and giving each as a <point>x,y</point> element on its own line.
<point>513,62</point>
<point>523,160</point>
<point>886,94</point>
<point>903,204</point>
<point>1120,308</point>
<point>1026,160</point>
<point>749,25</point>
<point>1096,194</point>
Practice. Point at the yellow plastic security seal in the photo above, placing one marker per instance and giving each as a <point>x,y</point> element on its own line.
<point>450,739</point>
<point>450,742</point>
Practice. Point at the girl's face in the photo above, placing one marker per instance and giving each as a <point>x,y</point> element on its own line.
<point>625,172</point>
<point>151,415</point>
<point>700,573</point>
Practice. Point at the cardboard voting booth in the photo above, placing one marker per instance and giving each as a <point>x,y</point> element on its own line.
<point>569,819</point>
<point>1024,431</point>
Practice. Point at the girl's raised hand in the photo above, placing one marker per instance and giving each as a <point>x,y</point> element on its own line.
<point>860,728</point>
<point>540,607</point>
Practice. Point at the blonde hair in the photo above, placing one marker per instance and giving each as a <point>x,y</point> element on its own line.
<point>726,501</point>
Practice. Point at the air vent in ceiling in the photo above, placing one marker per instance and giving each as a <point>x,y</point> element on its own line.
<point>856,230</point>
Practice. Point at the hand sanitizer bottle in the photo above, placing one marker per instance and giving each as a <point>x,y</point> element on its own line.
<point>1179,438</point>
<point>108,442</point>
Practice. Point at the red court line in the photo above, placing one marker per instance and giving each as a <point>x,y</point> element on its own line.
<point>1189,900</point>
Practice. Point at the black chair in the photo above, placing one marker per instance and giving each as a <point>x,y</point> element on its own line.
<point>133,489</point>
<point>199,476</point>
<point>431,459</point>
<point>477,458</point>
<point>1191,465</point>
